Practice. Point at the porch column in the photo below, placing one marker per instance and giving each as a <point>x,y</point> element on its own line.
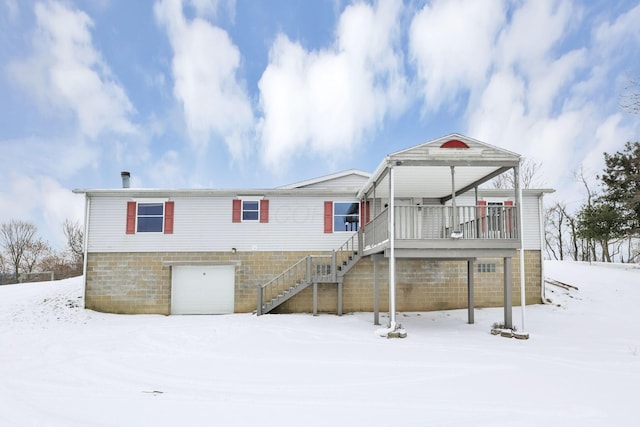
<point>392,252</point>
<point>373,233</point>
<point>470,273</point>
<point>454,220</point>
<point>508,321</point>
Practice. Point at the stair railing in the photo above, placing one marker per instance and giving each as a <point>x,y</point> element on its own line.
<point>283,282</point>
<point>311,268</point>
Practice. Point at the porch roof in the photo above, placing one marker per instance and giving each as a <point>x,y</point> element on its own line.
<point>425,170</point>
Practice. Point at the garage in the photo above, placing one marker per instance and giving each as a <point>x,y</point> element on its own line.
<point>202,289</point>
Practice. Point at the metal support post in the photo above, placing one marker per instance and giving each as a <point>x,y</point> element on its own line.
<point>470,302</point>
<point>315,298</point>
<point>340,297</point>
<point>508,315</point>
<point>376,292</point>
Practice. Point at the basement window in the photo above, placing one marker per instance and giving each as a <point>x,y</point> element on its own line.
<point>484,267</point>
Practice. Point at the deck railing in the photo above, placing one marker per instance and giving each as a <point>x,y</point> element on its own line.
<point>437,222</point>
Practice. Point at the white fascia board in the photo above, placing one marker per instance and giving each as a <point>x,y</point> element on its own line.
<point>203,192</point>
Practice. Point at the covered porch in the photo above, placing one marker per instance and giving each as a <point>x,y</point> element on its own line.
<point>423,202</point>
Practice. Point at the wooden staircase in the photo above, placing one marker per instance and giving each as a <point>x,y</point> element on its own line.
<point>330,268</point>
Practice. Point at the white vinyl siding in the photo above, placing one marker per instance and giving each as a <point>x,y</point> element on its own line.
<point>205,224</point>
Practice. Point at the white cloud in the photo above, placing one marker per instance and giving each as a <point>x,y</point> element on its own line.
<point>166,172</point>
<point>68,74</point>
<point>324,102</point>
<point>205,65</point>
<point>550,102</point>
<point>210,8</point>
<point>536,28</point>
<point>451,43</point>
<point>623,31</point>
<point>43,201</point>
<point>60,157</point>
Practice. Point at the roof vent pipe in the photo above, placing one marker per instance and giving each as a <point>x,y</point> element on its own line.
<point>126,178</point>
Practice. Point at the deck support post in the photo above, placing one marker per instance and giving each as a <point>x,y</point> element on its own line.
<point>315,298</point>
<point>508,315</point>
<point>340,296</point>
<point>376,291</point>
<point>260,302</point>
<point>470,301</point>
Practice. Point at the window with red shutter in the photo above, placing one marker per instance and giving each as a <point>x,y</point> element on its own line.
<point>328,217</point>
<point>264,210</point>
<point>131,217</point>
<point>168,217</point>
<point>236,211</point>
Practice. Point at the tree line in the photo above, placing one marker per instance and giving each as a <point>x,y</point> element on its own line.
<point>607,225</point>
<point>23,254</point>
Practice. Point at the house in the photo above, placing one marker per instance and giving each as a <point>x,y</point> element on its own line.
<point>417,234</point>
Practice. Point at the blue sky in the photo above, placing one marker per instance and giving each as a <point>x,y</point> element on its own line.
<point>228,94</point>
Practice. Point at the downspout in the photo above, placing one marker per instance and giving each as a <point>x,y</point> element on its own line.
<point>521,226</point>
<point>543,295</point>
<point>87,208</point>
<point>392,257</point>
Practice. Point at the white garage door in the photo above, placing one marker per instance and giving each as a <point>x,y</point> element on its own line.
<point>202,289</point>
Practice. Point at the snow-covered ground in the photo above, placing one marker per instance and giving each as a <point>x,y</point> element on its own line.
<point>61,365</point>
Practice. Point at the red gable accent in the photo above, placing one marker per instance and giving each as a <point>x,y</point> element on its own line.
<point>454,143</point>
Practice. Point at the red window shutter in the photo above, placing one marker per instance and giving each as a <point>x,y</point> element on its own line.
<point>236,212</point>
<point>365,214</point>
<point>168,217</point>
<point>328,217</point>
<point>131,217</point>
<point>264,210</point>
<point>482,215</point>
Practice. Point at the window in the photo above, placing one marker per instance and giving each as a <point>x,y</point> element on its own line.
<point>250,210</point>
<point>346,216</point>
<point>150,217</point>
<point>486,267</point>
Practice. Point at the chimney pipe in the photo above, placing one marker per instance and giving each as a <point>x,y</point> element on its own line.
<point>126,176</point>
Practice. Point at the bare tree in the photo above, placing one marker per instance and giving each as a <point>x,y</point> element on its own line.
<point>589,251</point>
<point>75,240</point>
<point>630,99</point>
<point>555,217</point>
<point>16,237</point>
<point>34,252</point>
<point>529,171</point>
